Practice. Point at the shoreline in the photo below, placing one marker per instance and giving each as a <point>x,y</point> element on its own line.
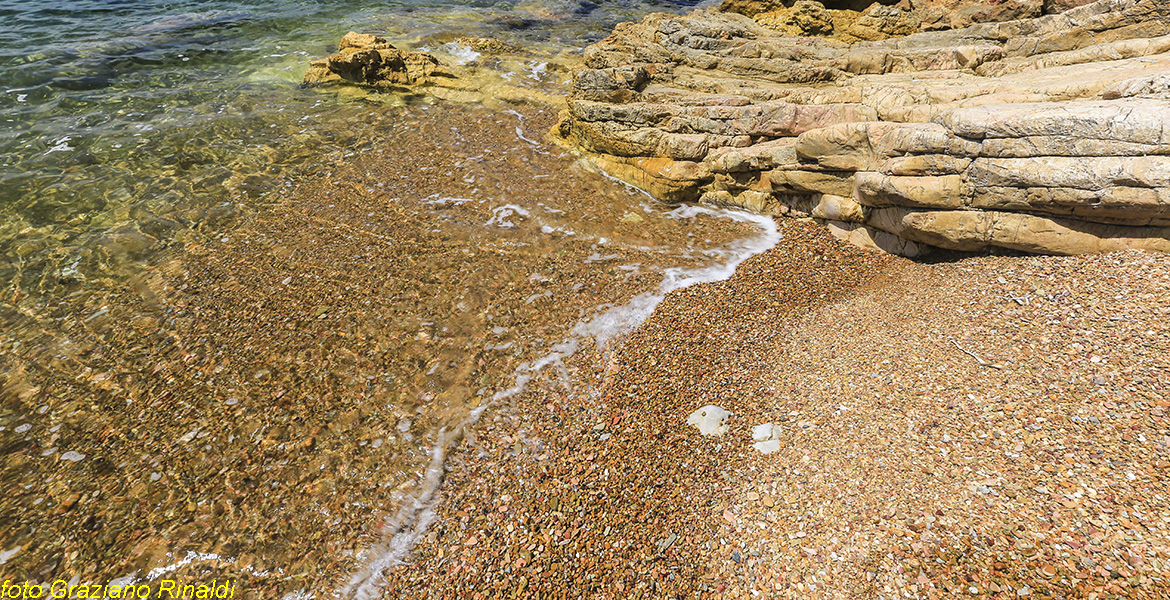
<point>905,466</point>
<point>260,402</point>
<point>967,426</point>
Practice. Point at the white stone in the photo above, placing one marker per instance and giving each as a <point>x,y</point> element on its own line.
<point>767,447</point>
<point>766,436</point>
<point>765,432</point>
<point>72,456</point>
<point>711,420</point>
<point>7,554</point>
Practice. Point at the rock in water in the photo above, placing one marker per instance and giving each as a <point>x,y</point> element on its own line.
<point>366,63</point>
<point>711,420</point>
<point>1048,134</point>
<point>370,61</point>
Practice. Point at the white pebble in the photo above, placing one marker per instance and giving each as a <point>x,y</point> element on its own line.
<point>765,432</point>
<point>711,420</point>
<point>72,456</point>
<point>767,447</point>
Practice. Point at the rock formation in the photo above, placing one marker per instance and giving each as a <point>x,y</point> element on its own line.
<point>368,60</point>
<point>910,14</point>
<point>368,64</point>
<point>1048,135</point>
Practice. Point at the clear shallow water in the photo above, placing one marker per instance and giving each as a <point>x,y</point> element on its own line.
<point>273,403</point>
<point>154,114</point>
<point>256,312</point>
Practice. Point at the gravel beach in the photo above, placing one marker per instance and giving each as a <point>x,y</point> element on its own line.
<point>258,401</point>
<point>973,427</point>
<point>432,319</point>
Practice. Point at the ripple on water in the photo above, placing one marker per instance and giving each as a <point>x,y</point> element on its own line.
<point>259,313</point>
<point>279,396</point>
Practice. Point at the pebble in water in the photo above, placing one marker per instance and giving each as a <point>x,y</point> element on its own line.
<point>240,423</point>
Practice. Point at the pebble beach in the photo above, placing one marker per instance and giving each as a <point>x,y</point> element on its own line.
<point>436,316</point>
<point>974,427</point>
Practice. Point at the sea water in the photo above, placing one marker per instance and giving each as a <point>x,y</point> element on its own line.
<point>243,322</point>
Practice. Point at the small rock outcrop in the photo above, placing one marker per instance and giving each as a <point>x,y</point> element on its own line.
<point>1046,135</point>
<point>370,61</point>
<point>477,70</point>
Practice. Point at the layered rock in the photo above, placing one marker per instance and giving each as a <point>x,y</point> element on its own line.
<point>870,17</point>
<point>1045,135</point>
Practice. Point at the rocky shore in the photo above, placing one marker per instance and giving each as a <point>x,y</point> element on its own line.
<point>1044,134</point>
<point>992,427</point>
<point>485,74</point>
<point>276,400</point>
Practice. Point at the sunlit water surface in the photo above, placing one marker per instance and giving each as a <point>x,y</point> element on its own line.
<point>243,321</point>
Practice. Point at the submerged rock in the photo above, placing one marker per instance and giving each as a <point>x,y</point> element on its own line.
<point>1044,135</point>
<point>488,45</point>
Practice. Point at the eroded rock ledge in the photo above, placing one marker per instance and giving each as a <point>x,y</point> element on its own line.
<point>1046,135</point>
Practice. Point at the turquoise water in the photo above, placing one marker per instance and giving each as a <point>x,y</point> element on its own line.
<point>124,123</point>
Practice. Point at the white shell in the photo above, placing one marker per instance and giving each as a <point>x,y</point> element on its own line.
<point>711,420</point>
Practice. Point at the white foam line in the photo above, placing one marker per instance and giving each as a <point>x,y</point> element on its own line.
<point>520,130</point>
<point>403,532</point>
<point>186,560</point>
<point>7,554</point>
<point>620,320</point>
<point>520,134</point>
<point>434,200</point>
<point>460,53</point>
<point>501,214</point>
<point>191,557</point>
